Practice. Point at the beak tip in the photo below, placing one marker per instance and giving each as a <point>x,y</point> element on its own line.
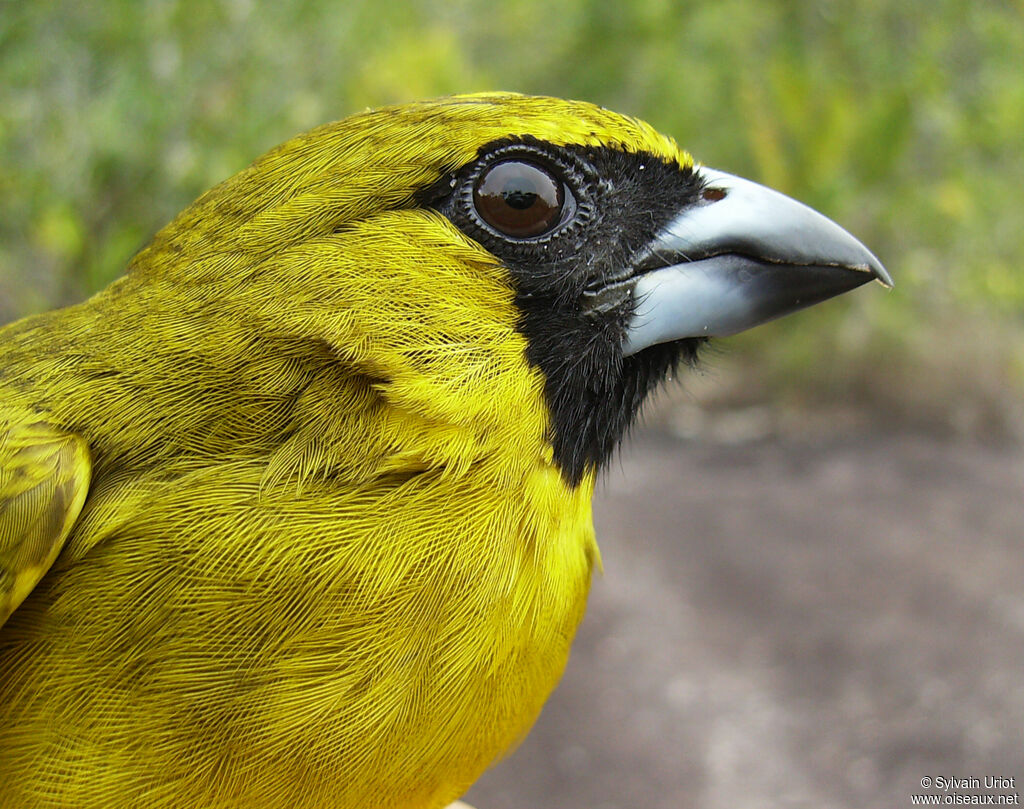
<point>881,274</point>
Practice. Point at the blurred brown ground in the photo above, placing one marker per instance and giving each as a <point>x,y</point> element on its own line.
<point>789,622</point>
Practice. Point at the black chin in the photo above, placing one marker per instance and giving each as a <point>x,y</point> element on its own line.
<point>594,393</point>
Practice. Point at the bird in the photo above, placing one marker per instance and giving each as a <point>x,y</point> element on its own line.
<point>297,512</point>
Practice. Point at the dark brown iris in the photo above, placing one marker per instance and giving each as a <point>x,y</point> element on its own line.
<point>519,199</point>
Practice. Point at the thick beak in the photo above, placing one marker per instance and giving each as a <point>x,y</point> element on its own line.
<point>743,256</point>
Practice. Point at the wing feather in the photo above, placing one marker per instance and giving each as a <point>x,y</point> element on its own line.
<point>44,478</point>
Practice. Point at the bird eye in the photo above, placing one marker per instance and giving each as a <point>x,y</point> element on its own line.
<point>519,199</point>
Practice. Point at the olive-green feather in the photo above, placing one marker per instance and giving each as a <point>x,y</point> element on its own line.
<point>44,478</point>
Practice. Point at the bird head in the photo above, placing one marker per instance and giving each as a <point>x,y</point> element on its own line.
<point>502,264</point>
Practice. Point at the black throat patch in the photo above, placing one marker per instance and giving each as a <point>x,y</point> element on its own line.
<point>622,201</point>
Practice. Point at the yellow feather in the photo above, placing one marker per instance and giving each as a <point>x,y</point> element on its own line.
<point>326,559</point>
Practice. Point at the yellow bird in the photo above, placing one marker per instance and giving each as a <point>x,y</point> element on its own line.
<point>297,512</point>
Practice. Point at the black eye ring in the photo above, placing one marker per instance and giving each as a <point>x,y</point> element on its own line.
<point>520,198</point>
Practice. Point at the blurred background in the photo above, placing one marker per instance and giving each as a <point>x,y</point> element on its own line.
<point>813,548</point>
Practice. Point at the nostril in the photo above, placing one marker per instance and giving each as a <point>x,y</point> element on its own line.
<point>713,194</point>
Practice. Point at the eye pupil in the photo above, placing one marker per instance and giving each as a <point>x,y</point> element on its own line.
<point>519,199</point>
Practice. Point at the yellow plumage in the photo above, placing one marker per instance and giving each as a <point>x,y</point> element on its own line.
<point>324,533</point>
<point>328,556</point>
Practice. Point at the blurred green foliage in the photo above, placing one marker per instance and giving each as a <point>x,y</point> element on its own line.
<point>902,120</point>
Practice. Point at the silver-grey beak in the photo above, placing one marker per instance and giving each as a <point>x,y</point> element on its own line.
<point>745,255</point>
